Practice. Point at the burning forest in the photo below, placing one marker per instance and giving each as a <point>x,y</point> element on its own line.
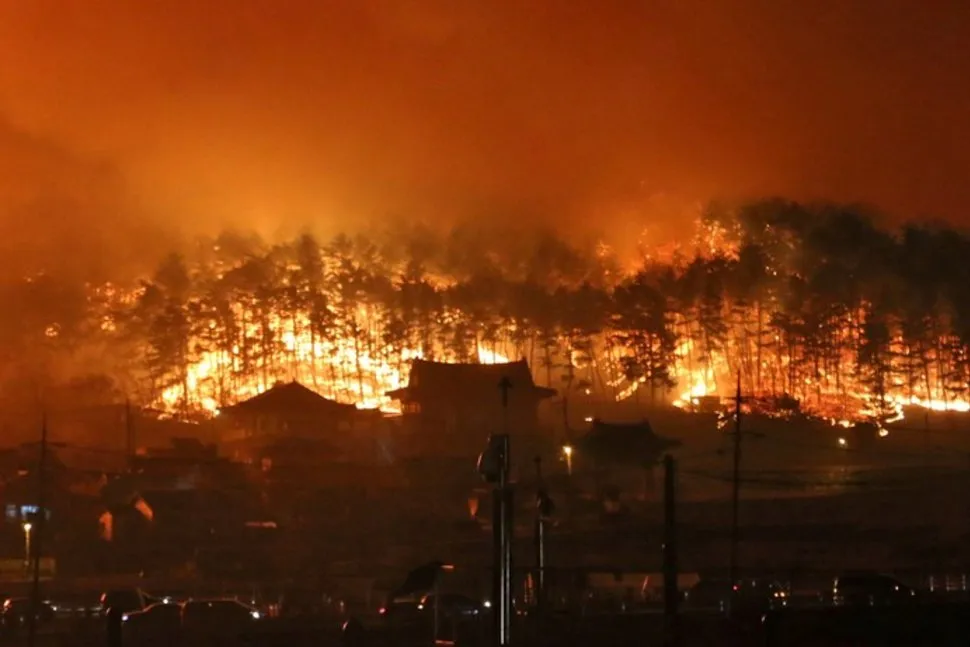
<point>814,304</point>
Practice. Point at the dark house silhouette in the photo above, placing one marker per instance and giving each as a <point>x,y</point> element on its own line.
<point>19,484</point>
<point>455,402</point>
<point>623,452</point>
<point>624,444</point>
<point>288,422</point>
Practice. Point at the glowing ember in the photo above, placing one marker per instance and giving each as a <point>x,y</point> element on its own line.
<point>693,396</point>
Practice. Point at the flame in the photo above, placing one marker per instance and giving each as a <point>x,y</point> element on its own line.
<point>362,371</point>
<point>489,356</point>
<point>343,369</point>
<point>693,395</point>
<point>701,380</point>
<point>356,361</point>
<point>931,404</point>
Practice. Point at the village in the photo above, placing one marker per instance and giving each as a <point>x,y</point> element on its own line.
<point>290,488</point>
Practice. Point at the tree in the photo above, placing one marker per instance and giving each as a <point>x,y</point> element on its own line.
<point>164,312</point>
<point>641,317</point>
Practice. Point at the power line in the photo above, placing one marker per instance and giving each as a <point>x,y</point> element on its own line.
<point>858,450</point>
<point>797,483</point>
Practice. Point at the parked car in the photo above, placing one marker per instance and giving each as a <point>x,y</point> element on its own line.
<point>748,596</point>
<point>216,618</point>
<point>125,600</point>
<point>420,608</point>
<point>865,588</point>
<point>158,623</point>
<point>16,613</point>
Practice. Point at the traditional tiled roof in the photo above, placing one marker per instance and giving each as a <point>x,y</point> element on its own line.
<point>291,398</point>
<point>464,381</point>
<point>633,443</point>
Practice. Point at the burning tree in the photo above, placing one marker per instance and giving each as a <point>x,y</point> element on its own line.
<point>812,302</point>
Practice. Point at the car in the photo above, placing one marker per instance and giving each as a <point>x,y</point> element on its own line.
<point>217,617</point>
<point>746,596</point>
<point>16,612</point>
<point>450,605</point>
<point>420,609</point>
<point>124,600</point>
<point>158,622</point>
<point>865,588</point>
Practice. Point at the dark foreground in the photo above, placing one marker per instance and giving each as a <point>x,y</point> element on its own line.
<point>940,624</point>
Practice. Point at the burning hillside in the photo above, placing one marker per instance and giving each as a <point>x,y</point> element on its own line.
<point>813,304</point>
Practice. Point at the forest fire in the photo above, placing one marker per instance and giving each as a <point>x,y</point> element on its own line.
<point>846,331</point>
<point>338,369</point>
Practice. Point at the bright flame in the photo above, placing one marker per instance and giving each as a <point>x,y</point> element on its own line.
<point>487,356</point>
<point>356,356</point>
<point>693,395</point>
<point>341,368</point>
<point>931,404</point>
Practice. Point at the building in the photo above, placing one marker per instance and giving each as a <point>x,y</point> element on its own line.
<point>443,403</point>
<point>288,420</point>
<point>625,453</point>
<point>633,444</point>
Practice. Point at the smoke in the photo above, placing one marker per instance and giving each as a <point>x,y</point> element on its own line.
<point>65,214</point>
<point>281,116</point>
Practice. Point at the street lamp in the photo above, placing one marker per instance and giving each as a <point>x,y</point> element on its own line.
<point>27,528</point>
<point>493,465</point>
<point>567,451</point>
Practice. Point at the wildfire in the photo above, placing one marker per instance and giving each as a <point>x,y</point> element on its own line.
<point>343,369</point>
<point>693,395</point>
<point>352,333</point>
<point>931,404</point>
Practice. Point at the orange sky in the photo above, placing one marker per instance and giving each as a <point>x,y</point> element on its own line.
<point>285,113</point>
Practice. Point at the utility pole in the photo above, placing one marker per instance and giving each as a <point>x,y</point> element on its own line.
<point>670,567</point>
<point>129,434</point>
<point>543,510</point>
<point>37,549</point>
<point>568,379</point>
<point>736,489</point>
<point>503,525</point>
<point>926,433</point>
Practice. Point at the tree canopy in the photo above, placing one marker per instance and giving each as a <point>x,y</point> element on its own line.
<point>814,302</point>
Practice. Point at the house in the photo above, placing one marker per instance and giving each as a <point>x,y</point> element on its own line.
<point>445,402</point>
<point>632,444</point>
<point>185,464</point>
<point>287,418</point>
<point>160,529</point>
<point>625,452</point>
<point>20,485</point>
<point>116,430</point>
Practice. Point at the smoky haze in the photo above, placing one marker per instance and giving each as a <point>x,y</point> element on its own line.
<point>121,119</point>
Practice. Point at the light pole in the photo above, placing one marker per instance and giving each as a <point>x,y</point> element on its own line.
<point>27,528</point>
<point>567,451</point>
<point>544,509</point>
<point>494,467</point>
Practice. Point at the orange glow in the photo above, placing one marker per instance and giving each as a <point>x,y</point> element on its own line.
<point>341,369</point>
